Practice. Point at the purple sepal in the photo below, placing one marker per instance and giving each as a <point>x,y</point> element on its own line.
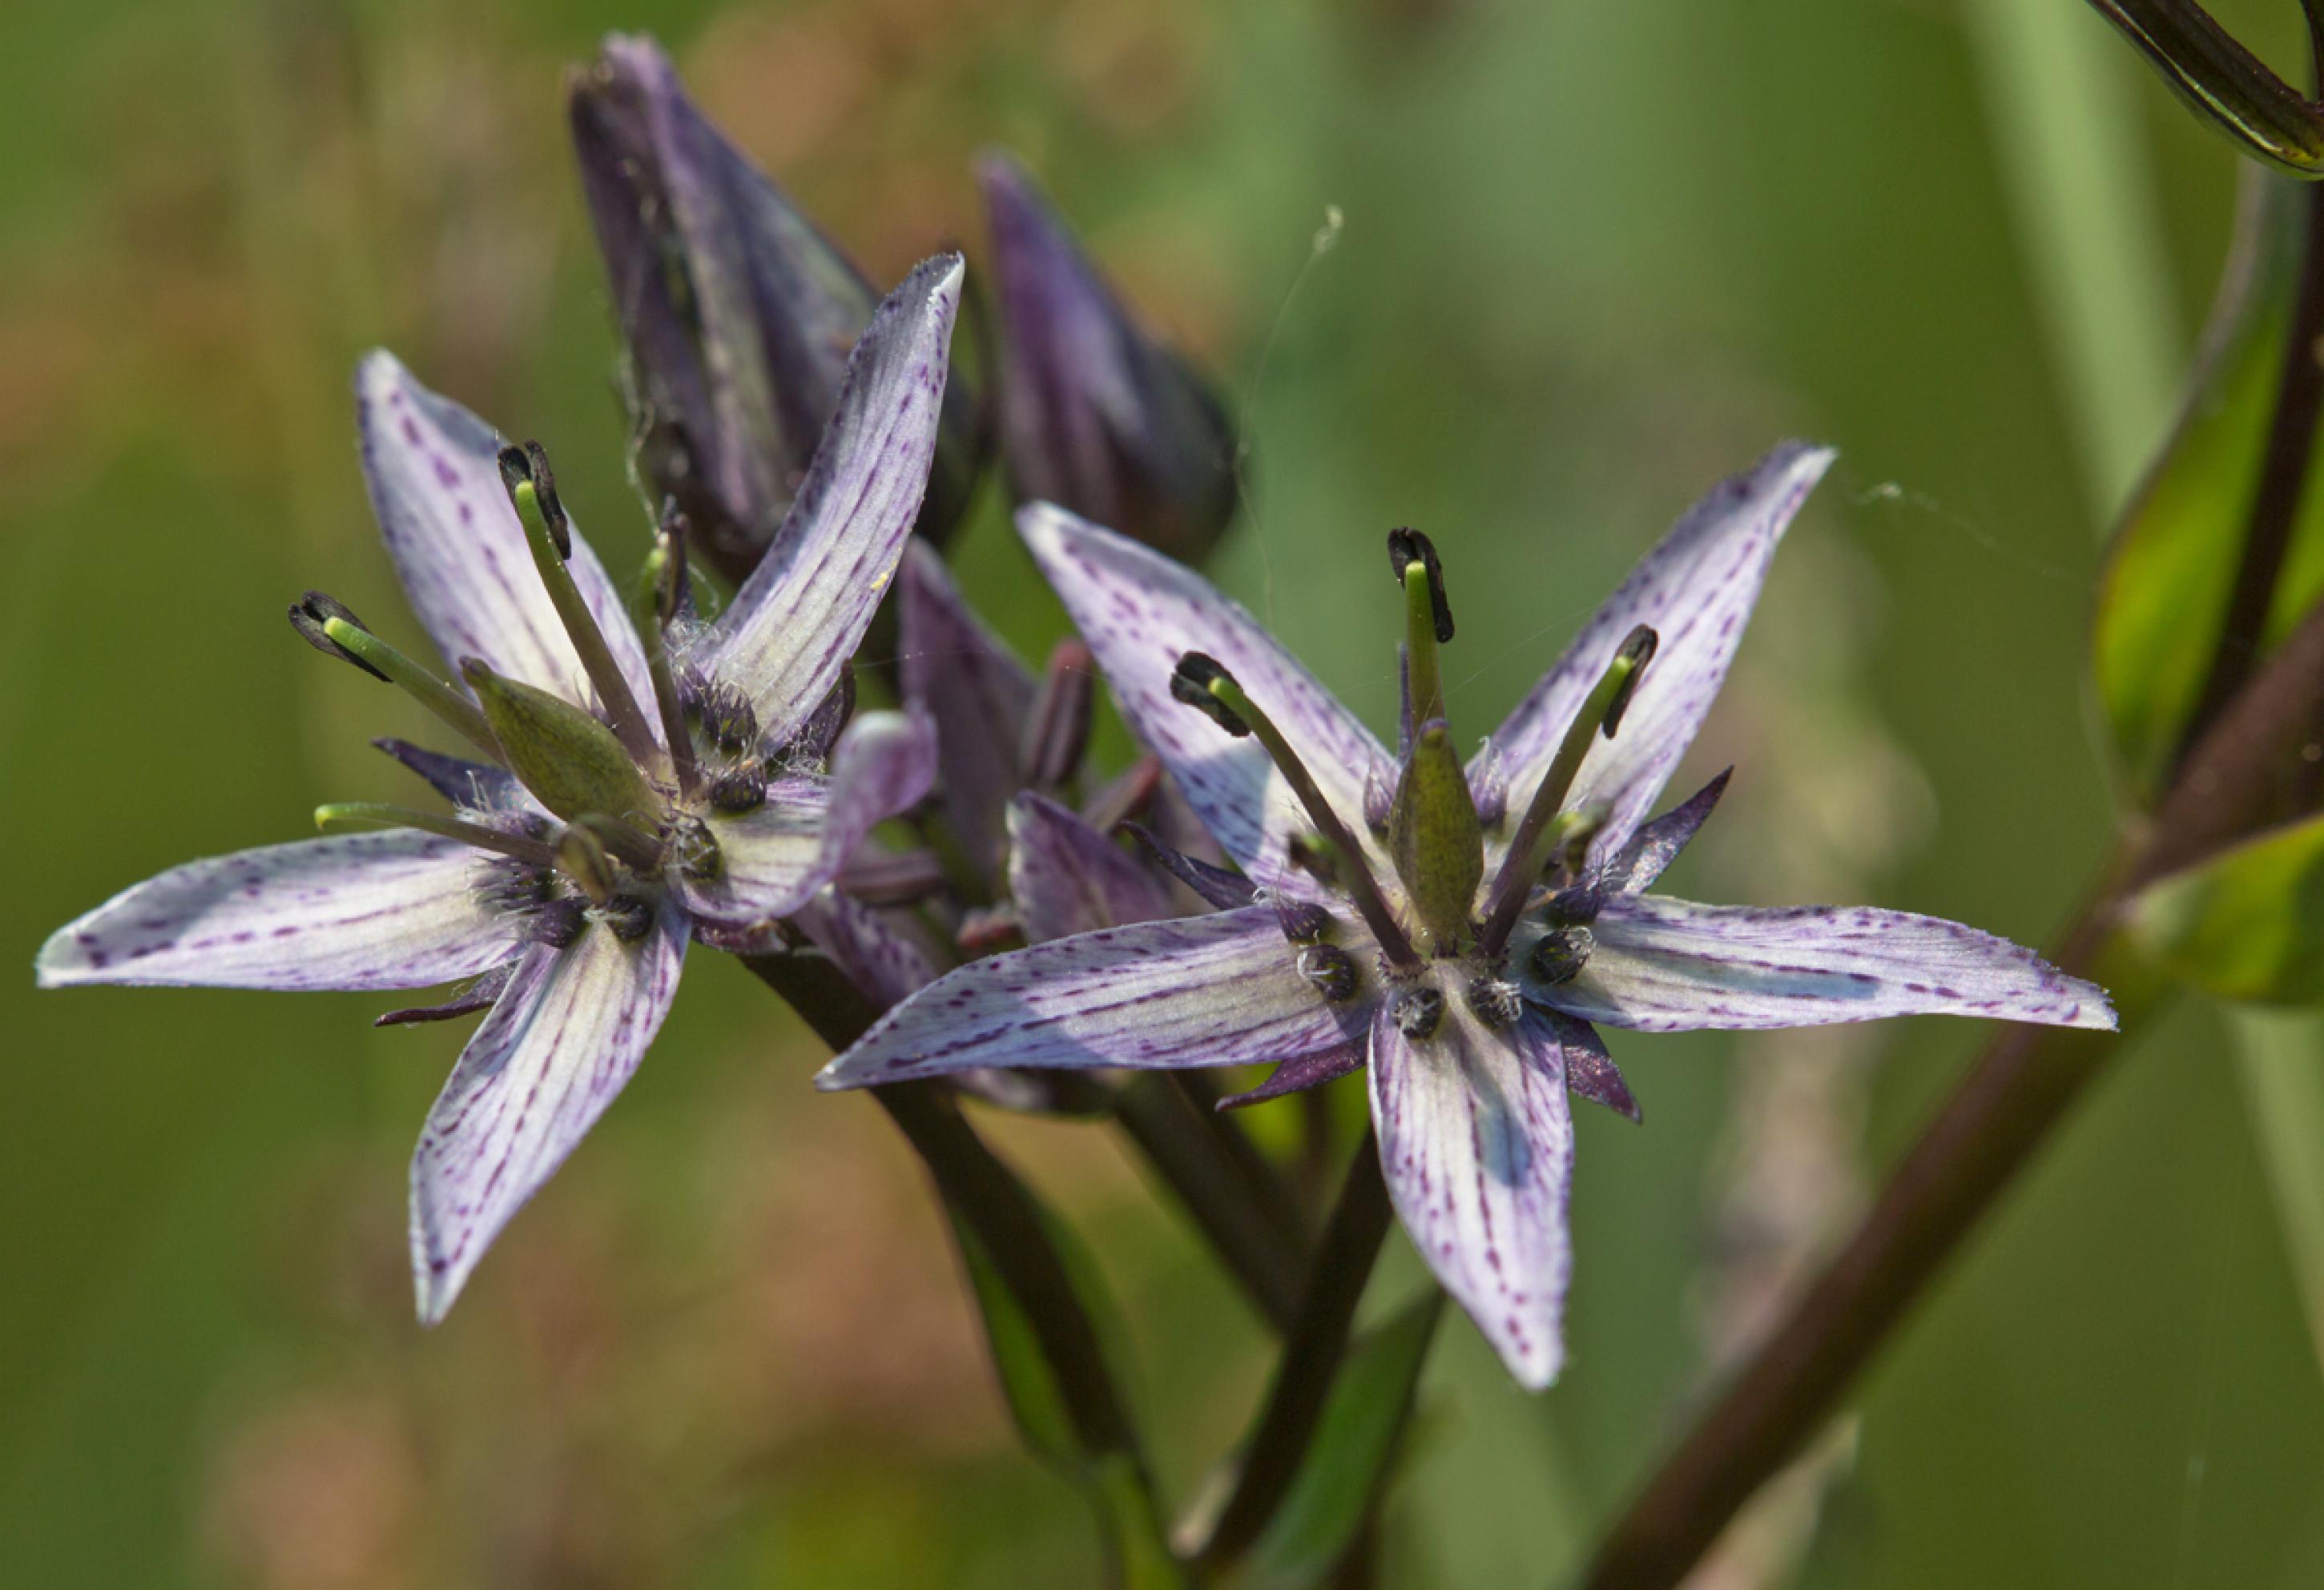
<point>1215,885</point>
<point>978,693</point>
<point>1657,844</point>
<point>477,996</point>
<point>1590,1070</point>
<point>464,782</point>
<point>1298,1074</point>
<point>1066,877</point>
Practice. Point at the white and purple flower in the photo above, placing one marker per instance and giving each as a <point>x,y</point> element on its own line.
<point>1405,912</point>
<point>645,787</point>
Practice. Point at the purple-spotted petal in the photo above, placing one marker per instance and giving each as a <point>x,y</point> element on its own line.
<point>1066,877</point>
<point>1667,965</point>
<point>1477,1144</point>
<point>565,1037</point>
<point>395,910</point>
<point>1141,613</point>
<point>1195,991</point>
<point>800,614</point>
<point>1657,843</point>
<point>436,489</point>
<point>977,692</point>
<point>1696,589</point>
<point>773,858</point>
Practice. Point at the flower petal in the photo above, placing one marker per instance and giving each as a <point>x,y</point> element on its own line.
<point>1656,844</point>
<point>1477,1144</point>
<point>1667,965</point>
<point>436,489</point>
<point>1066,877</point>
<point>885,964</point>
<point>1194,991</point>
<point>1696,589</point>
<point>800,614</point>
<point>396,910</point>
<point>777,855</point>
<point>563,1039</point>
<point>1141,613</point>
<point>977,692</point>
<point>1298,1074</point>
<point>1590,1072</point>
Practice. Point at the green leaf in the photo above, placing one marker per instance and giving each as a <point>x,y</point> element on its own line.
<point>1349,1460</point>
<point>2164,594</point>
<point>2249,923</point>
<point>1115,1482</point>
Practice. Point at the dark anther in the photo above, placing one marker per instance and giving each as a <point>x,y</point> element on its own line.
<point>511,884</point>
<point>544,486</point>
<point>1418,1012</point>
<point>1191,684</point>
<point>1331,969</point>
<point>729,721</point>
<point>1637,650</point>
<point>1574,908</point>
<point>1562,954</point>
<point>559,924</point>
<point>1407,546</point>
<point>631,917</point>
<point>1496,1001</point>
<point>739,789</point>
<point>307,616</point>
<point>1302,921</point>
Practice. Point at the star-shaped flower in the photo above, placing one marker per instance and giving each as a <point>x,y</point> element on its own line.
<point>645,786</point>
<point>1407,912</point>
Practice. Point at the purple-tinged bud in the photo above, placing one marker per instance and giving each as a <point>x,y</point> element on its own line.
<point>1057,728</point>
<point>1096,415</point>
<point>311,611</point>
<point>738,311</point>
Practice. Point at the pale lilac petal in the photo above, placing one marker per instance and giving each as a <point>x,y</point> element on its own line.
<point>1141,613</point>
<point>978,692</point>
<point>802,611</point>
<point>1477,1144</point>
<point>1667,965</point>
<point>1696,589</point>
<point>395,910</point>
<point>1066,877</point>
<point>774,857</point>
<point>457,546</point>
<point>1195,991</point>
<point>565,1037</point>
<point>887,965</point>
<point>1657,843</point>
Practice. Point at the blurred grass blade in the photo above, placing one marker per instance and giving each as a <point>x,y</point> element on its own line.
<point>2247,924</point>
<point>2164,593</point>
<point>2280,1055</point>
<point>1349,1462</point>
<point>1115,1482</point>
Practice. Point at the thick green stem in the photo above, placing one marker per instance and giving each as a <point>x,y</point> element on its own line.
<point>1310,1358</point>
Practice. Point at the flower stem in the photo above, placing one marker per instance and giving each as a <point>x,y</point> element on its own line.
<point>1257,1246</point>
<point>1312,1354</point>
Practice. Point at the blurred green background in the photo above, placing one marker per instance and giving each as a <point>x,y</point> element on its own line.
<point>1594,256</point>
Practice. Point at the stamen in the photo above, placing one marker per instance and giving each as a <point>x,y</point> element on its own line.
<point>581,856</point>
<point>364,817</point>
<point>1330,970</point>
<point>1427,620</point>
<point>1562,953</point>
<point>330,629</point>
<point>560,924</point>
<point>1200,681</point>
<point>1496,1001</point>
<point>631,917</point>
<point>1057,728</point>
<point>666,569</point>
<point>532,491</point>
<point>739,790</point>
<point>1418,1011</point>
<point>1601,712</point>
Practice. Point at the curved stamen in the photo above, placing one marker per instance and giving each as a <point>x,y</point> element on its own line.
<point>1530,851</point>
<point>328,626</point>
<point>362,816</point>
<point>1427,621</point>
<point>1201,683</point>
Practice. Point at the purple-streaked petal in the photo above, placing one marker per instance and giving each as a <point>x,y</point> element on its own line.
<point>885,964</point>
<point>477,996</point>
<point>1590,1070</point>
<point>1141,613</point>
<point>977,692</point>
<point>1477,1144</point>
<point>1656,843</point>
<point>1666,965</point>
<point>1066,877</point>
<point>1298,1075</point>
<point>567,1034</point>
<point>1696,589</point>
<point>800,614</point>
<point>434,470</point>
<point>395,910</point>
<point>1192,991</point>
<point>775,856</point>
<point>464,782</point>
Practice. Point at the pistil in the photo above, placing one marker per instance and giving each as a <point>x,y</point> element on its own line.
<point>332,630</point>
<point>1201,683</point>
<point>364,817</point>
<point>532,491</point>
<point>1530,851</point>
